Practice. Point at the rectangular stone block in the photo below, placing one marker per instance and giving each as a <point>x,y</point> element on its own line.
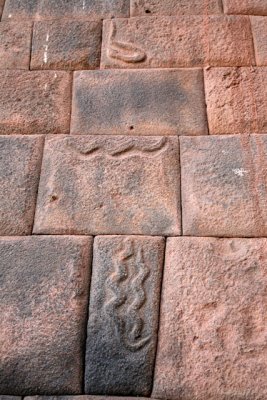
<point>184,41</point>
<point>212,338</point>
<point>172,7</point>
<point>250,7</point>
<point>44,299</point>
<point>66,45</point>
<point>236,100</point>
<point>259,30</point>
<point>58,9</point>
<point>123,315</point>
<point>109,185</point>
<point>147,102</point>
<point>20,165</point>
<point>34,102</point>
<point>224,186</point>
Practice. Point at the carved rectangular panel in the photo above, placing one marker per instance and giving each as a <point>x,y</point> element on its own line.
<point>123,315</point>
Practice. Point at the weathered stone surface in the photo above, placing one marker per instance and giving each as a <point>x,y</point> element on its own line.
<point>224,186</point>
<point>109,185</point>
<point>20,164</point>
<point>34,102</point>
<point>251,7</point>
<point>44,295</point>
<point>66,45</point>
<point>259,29</point>
<point>236,100</point>
<point>148,102</point>
<point>172,7</point>
<point>184,41</point>
<point>58,9</point>
<point>212,340</point>
<point>123,315</point>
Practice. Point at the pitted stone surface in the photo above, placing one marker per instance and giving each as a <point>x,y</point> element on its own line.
<point>184,41</point>
<point>259,29</point>
<point>146,102</point>
<point>252,7</point>
<point>68,45</point>
<point>44,296</point>
<point>172,7</point>
<point>236,100</point>
<point>212,339</point>
<point>15,45</point>
<point>224,186</point>
<point>123,315</point>
<point>34,102</point>
<point>20,164</point>
<point>109,185</point>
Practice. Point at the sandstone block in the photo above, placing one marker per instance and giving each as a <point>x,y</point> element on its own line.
<point>123,315</point>
<point>34,102</point>
<point>212,339</point>
<point>66,45</point>
<point>109,185</point>
<point>172,7</point>
<point>184,41</point>
<point>224,186</point>
<point>147,102</point>
<point>44,296</point>
<point>20,164</point>
<point>236,100</point>
<point>251,7</point>
<point>259,29</point>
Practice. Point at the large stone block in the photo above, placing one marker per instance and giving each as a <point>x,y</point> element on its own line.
<point>123,315</point>
<point>109,185</point>
<point>148,102</point>
<point>212,339</point>
<point>44,298</point>
<point>251,7</point>
<point>259,29</point>
<point>172,7</point>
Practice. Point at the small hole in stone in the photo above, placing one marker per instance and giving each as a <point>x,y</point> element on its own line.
<point>131,127</point>
<point>147,11</point>
<point>54,197</point>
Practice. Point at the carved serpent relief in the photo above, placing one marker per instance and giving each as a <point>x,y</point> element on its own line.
<point>128,295</point>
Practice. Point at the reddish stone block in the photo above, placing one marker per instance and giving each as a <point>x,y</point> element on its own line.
<point>224,186</point>
<point>20,165</point>
<point>148,102</point>
<point>250,7</point>
<point>123,315</point>
<point>212,339</point>
<point>172,7</point>
<point>66,45</point>
<point>44,296</point>
<point>184,41</point>
<point>259,29</point>
<point>236,100</point>
<point>34,102</point>
<point>109,185</point>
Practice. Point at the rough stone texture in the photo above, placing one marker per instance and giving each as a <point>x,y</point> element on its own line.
<point>44,297</point>
<point>58,9</point>
<point>149,102</point>
<point>212,340</point>
<point>66,45</point>
<point>2,2</point>
<point>224,186</point>
<point>251,7</point>
<point>20,164</point>
<point>236,100</point>
<point>259,29</point>
<point>184,41</point>
<point>109,185</point>
<point>123,315</point>
<point>15,45</point>
<point>34,102</point>
<point>172,7</point>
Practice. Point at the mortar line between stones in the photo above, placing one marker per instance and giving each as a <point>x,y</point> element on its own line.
<point>253,41</point>
<point>205,99</point>
<point>180,175</point>
<point>223,8</point>
<point>71,100</point>
<point>31,44</point>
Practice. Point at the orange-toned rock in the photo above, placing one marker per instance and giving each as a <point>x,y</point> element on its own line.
<point>236,100</point>
<point>20,164</point>
<point>109,185</point>
<point>43,296</point>
<point>212,339</point>
<point>34,102</point>
<point>172,7</point>
<point>251,7</point>
<point>224,186</point>
<point>123,315</point>
<point>147,102</point>
<point>184,41</point>
<point>259,29</point>
<point>66,45</point>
